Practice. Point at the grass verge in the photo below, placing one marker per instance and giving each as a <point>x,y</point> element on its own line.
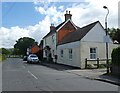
<point>2,57</point>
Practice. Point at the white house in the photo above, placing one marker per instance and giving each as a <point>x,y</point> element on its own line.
<point>86,42</point>
<point>73,44</point>
<point>56,35</point>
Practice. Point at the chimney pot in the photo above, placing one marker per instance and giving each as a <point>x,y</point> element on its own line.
<point>52,27</point>
<point>67,15</point>
<point>66,11</point>
<point>52,24</point>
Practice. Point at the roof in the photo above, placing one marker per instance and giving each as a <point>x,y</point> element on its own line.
<point>35,48</point>
<point>78,34</point>
<point>59,27</point>
<point>53,31</point>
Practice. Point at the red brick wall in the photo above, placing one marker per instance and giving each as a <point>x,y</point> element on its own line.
<point>66,29</point>
<point>35,49</point>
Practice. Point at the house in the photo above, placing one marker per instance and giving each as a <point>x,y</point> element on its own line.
<point>86,42</point>
<point>73,44</point>
<point>56,35</point>
<point>35,49</point>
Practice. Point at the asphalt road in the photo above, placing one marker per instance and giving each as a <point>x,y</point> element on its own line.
<point>20,76</point>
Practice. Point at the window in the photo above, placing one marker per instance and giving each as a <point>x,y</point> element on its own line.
<point>53,39</point>
<point>61,53</point>
<point>53,53</point>
<point>93,53</point>
<point>70,53</point>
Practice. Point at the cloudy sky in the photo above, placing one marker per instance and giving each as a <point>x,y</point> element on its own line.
<point>33,19</point>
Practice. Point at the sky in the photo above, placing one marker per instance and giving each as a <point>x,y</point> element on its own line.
<point>33,18</point>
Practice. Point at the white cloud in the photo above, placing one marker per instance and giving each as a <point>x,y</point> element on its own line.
<point>82,14</point>
<point>113,10</point>
<point>61,8</point>
<point>9,36</point>
<point>39,30</point>
<point>52,12</point>
<point>40,9</point>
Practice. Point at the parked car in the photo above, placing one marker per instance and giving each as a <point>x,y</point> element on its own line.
<point>25,58</point>
<point>32,58</point>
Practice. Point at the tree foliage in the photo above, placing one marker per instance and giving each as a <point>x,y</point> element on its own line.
<point>115,34</point>
<point>116,56</point>
<point>16,51</point>
<point>23,43</point>
<point>4,51</point>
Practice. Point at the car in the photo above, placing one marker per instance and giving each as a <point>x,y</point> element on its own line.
<point>32,58</point>
<point>25,58</point>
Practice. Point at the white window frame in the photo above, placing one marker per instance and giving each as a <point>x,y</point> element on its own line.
<point>93,53</point>
<point>53,41</point>
<point>70,53</point>
<point>61,53</point>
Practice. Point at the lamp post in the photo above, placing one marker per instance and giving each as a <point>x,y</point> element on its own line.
<point>107,61</point>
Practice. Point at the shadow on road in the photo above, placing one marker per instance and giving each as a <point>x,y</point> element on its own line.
<point>57,66</point>
<point>110,79</point>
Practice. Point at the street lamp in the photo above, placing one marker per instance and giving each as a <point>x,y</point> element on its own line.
<point>107,61</point>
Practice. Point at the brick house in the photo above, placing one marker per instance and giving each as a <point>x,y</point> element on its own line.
<point>56,35</point>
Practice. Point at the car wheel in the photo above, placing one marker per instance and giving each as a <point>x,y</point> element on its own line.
<point>38,62</point>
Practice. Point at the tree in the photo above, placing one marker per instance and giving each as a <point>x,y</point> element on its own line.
<point>23,43</point>
<point>16,51</point>
<point>114,34</point>
<point>4,51</point>
<point>116,56</point>
<point>117,35</point>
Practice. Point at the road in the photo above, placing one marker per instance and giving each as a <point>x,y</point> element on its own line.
<point>20,76</point>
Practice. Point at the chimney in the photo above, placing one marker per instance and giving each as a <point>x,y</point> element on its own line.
<point>67,16</point>
<point>52,27</point>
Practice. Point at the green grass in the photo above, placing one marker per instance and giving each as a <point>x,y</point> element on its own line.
<point>2,57</point>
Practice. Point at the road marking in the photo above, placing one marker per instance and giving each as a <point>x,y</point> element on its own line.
<point>32,75</point>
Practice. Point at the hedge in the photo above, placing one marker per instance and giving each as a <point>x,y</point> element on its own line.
<point>2,57</point>
<point>116,56</point>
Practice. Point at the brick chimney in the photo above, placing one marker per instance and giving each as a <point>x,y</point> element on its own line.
<point>52,27</point>
<point>67,16</point>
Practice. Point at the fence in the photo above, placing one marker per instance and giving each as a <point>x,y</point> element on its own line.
<point>97,62</point>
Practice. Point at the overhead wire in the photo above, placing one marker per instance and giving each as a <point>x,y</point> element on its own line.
<point>10,8</point>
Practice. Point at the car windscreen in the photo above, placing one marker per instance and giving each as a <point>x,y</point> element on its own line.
<point>33,56</point>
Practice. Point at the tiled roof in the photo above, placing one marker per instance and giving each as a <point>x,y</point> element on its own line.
<point>59,26</point>
<point>53,31</point>
<point>78,34</point>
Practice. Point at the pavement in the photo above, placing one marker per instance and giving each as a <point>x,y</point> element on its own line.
<point>93,74</point>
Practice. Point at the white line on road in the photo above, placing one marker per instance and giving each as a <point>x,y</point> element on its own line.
<point>32,75</point>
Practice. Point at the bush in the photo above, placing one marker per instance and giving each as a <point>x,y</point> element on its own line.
<point>2,57</point>
<point>90,66</point>
<point>116,56</point>
<point>102,65</point>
